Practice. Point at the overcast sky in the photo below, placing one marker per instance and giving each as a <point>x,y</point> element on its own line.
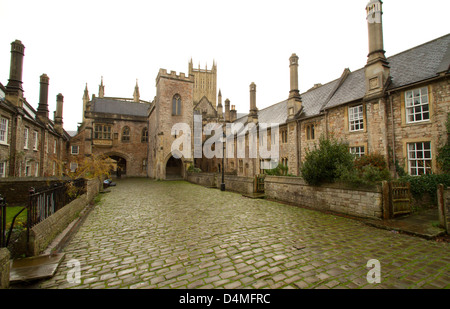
<point>77,42</point>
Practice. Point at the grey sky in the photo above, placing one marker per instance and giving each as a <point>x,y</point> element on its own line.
<point>77,42</point>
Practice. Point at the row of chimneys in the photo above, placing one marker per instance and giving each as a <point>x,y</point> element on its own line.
<point>377,67</point>
<point>14,90</point>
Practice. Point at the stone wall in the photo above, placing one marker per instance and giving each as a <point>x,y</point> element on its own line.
<point>232,183</point>
<point>42,234</point>
<point>15,190</point>
<point>204,179</point>
<point>360,203</point>
<point>4,268</point>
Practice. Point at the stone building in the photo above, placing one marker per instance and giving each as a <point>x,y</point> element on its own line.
<point>116,128</point>
<point>396,106</point>
<point>31,144</point>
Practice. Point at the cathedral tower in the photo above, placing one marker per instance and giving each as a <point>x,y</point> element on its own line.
<point>205,83</point>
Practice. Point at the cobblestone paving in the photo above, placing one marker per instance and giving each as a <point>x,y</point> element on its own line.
<point>155,234</point>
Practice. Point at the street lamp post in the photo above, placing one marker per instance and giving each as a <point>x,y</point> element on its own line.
<point>222,185</point>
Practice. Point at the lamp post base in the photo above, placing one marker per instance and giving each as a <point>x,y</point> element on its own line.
<point>222,187</point>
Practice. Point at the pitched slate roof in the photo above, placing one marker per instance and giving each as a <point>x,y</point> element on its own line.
<point>416,64</point>
<point>116,106</point>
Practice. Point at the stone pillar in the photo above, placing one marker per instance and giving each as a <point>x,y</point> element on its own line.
<point>233,113</point>
<point>4,268</point>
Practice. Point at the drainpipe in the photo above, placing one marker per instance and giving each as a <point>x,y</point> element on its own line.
<point>393,132</point>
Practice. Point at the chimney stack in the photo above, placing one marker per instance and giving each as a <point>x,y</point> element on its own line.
<point>227,110</point>
<point>377,69</point>
<point>233,113</point>
<point>42,110</point>
<point>14,87</point>
<point>294,100</point>
<point>253,115</point>
<point>59,113</point>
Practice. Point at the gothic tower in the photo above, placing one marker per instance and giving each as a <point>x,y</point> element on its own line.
<point>205,83</point>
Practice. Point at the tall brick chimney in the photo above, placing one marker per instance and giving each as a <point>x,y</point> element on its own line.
<point>294,100</point>
<point>253,114</point>
<point>59,113</point>
<point>42,110</point>
<point>14,87</point>
<point>227,110</point>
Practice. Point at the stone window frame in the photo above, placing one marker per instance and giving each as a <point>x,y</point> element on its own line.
<point>104,132</point>
<point>27,168</point>
<point>356,124</point>
<point>126,134</point>
<point>284,135</point>
<point>26,133</point>
<point>36,140</point>
<point>3,169</point>
<point>36,169</point>
<point>423,105</point>
<point>72,152</point>
<point>176,105</point>
<point>358,150</point>
<point>4,130</point>
<point>427,166</point>
<point>310,131</point>
<point>144,135</point>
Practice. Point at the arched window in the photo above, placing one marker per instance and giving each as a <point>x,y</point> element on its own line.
<point>176,105</point>
<point>126,134</point>
<point>144,137</point>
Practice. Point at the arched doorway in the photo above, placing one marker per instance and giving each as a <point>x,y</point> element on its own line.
<point>119,166</point>
<point>174,168</point>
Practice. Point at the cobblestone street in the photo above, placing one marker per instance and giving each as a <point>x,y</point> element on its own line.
<point>173,234</point>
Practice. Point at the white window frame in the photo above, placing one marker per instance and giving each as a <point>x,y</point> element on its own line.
<point>358,151</point>
<point>36,136</point>
<point>27,168</point>
<point>36,171</point>
<point>417,105</point>
<point>4,126</point>
<point>356,118</point>
<point>54,146</point>
<point>419,158</point>
<point>73,166</point>
<point>2,169</point>
<point>26,135</point>
<point>74,147</point>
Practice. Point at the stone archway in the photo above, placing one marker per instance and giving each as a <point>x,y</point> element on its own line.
<point>119,166</point>
<point>174,168</point>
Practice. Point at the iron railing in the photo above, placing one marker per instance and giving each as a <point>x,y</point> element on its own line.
<point>2,222</point>
<point>45,202</point>
<point>42,204</point>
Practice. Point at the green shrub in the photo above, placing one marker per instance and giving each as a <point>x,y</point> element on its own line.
<point>193,169</point>
<point>426,184</point>
<point>326,162</point>
<point>279,170</point>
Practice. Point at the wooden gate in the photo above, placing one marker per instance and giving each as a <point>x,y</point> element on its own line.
<point>259,183</point>
<point>400,198</point>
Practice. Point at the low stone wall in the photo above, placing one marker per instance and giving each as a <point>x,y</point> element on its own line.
<point>204,179</point>
<point>232,182</point>
<point>361,203</point>
<point>16,190</point>
<point>42,234</point>
<point>4,268</point>
<point>443,196</point>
